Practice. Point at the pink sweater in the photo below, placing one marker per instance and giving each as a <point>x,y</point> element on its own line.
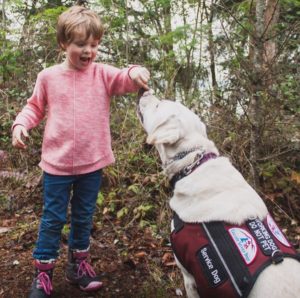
<point>77,136</point>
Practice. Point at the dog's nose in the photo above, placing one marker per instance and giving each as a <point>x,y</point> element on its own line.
<point>141,92</point>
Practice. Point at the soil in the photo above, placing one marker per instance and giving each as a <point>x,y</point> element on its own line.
<point>132,261</point>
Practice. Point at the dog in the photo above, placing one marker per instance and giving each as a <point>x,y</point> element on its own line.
<point>225,242</point>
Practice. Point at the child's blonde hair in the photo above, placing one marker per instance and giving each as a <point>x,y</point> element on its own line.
<point>78,19</point>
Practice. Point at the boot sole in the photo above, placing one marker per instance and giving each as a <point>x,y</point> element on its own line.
<point>85,289</point>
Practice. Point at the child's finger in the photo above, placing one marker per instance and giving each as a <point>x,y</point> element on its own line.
<point>144,78</point>
<point>17,137</point>
<point>144,85</point>
<point>25,132</point>
<point>17,142</point>
<point>21,144</point>
<point>146,74</point>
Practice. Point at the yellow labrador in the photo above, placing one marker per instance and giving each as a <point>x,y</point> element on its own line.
<point>224,240</point>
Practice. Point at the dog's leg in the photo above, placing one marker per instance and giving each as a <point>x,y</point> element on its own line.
<point>189,282</point>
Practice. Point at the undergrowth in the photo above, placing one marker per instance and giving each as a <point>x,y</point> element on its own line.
<point>135,192</point>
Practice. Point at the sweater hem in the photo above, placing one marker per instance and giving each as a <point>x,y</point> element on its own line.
<point>75,170</point>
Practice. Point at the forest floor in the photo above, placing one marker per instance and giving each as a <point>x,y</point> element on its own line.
<point>132,261</point>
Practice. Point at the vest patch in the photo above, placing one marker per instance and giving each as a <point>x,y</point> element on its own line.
<point>263,237</point>
<point>245,244</point>
<point>213,268</point>
<point>276,231</point>
<point>226,259</point>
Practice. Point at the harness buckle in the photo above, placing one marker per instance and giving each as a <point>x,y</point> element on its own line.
<point>277,257</point>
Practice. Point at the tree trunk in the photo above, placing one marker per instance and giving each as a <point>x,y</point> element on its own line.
<point>3,16</point>
<point>168,48</point>
<point>270,47</point>
<point>4,38</point>
<point>211,50</point>
<point>262,54</point>
<point>257,90</point>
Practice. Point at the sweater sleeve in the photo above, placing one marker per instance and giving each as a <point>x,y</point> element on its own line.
<point>118,81</point>
<point>34,111</point>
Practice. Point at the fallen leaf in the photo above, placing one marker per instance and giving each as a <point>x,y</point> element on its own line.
<point>167,257</point>
<point>294,222</point>
<point>8,222</point>
<point>4,230</point>
<point>140,254</point>
<point>295,177</point>
<point>168,264</point>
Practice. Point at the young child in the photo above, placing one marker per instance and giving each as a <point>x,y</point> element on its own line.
<point>75,99</point>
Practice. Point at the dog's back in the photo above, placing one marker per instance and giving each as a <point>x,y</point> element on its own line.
<point>278,281</point>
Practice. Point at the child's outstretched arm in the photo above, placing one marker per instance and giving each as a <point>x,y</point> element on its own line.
<point>19,131</point>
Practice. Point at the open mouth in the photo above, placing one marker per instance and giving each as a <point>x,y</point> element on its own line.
<point>85,59</point>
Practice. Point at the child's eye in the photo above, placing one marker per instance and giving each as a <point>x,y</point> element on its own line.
<point>80,44</point>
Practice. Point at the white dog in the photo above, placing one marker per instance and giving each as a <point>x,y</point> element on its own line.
<point>221,228</point>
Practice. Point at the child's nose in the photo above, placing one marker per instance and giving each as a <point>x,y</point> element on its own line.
<point>87,49</point>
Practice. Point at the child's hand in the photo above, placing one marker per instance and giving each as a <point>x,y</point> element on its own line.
<point>18,132</point>
<point>140,75</point>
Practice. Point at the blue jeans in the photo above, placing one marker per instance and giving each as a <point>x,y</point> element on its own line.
<point>57,193</point>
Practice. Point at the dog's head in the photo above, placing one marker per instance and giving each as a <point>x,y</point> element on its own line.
<point>172,128</point>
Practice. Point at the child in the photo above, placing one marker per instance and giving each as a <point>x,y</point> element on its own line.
<point>75,97</point>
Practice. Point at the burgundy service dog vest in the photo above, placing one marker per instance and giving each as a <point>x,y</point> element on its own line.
<point>225,260</point>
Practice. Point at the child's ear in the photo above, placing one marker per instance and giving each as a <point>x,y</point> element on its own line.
<point>62,46</point>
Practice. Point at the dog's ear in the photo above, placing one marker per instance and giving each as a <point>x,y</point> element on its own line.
<point>202,128</point>
<point>167,132</point>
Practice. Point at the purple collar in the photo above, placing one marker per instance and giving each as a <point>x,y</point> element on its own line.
<point>199,160</point>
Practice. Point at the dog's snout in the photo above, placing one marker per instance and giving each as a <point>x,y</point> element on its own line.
<point>146,100</point>
<point>141,93</point>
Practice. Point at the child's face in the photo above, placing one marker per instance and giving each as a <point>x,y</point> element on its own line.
<point>81,52</point>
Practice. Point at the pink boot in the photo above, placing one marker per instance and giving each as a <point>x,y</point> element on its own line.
<point>81,273</point>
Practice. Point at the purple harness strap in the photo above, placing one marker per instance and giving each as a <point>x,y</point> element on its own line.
<point>201,158</point>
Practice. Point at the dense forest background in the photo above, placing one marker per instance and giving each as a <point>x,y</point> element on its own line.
<point>235,63</point>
